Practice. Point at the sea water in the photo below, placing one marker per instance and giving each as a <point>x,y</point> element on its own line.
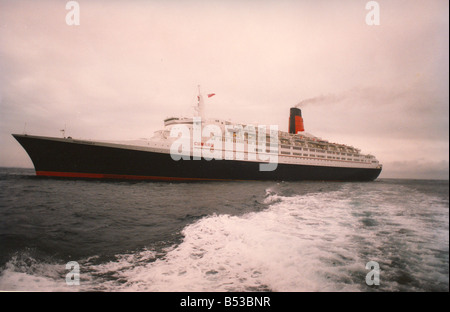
<point>214,236</point>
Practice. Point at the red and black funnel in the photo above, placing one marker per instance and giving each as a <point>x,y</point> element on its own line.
<point>296,121</point>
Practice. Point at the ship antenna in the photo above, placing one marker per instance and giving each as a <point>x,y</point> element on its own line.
<point>201,104</point>
<point>63,131</point>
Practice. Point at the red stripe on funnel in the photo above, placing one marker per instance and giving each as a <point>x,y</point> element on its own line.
<point>299,124</point>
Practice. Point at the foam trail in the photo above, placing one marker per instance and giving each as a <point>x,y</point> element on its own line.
<point>25,273</point>
<point>259,251</point>
<point>319,241</point>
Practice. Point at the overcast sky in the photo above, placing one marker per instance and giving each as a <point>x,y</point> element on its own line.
<point>130,64</point>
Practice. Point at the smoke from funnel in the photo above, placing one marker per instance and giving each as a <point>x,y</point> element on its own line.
<point>322,99</point>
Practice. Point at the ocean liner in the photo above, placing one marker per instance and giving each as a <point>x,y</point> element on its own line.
<point>199,149</point>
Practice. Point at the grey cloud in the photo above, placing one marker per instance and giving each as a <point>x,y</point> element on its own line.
<point>131,63</point>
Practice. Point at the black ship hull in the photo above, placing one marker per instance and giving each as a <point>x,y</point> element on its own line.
<point>81,159</point>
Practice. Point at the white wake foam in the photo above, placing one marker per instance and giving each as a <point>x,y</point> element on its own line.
<point>313,242</point>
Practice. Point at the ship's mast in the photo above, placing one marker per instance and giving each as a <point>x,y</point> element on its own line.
<point>200,105</point>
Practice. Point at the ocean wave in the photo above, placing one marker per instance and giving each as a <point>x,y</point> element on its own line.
<point>317,241</point>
